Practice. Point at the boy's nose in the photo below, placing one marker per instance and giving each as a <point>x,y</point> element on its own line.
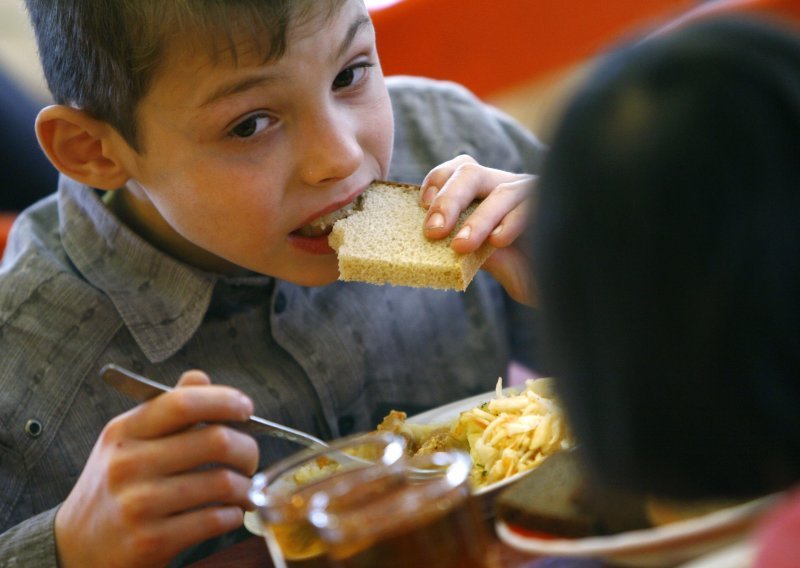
<point>332,150</point>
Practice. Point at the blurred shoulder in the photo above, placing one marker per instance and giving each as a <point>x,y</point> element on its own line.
<point>41,291</point>
<point>404,88</point>
<point>438,120</point>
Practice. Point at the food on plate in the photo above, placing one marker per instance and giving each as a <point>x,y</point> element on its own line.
<point>380,241</point>
<point>558,499</point>
<point>325,466</point>
<point>320,468</point>
<point>421,438</point>
<point>506,435</point>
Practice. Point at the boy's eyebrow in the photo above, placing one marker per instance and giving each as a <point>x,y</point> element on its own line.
<point>352,31</point>
<point>249,82</point>
<point>236,87</point>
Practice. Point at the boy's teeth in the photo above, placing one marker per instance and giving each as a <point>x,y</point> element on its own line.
<point>324,224</point>
<point>311,231</point>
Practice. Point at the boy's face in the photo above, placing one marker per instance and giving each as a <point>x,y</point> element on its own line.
<point>238,157</point>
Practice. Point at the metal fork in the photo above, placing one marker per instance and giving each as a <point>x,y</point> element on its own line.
<point>141,389</point>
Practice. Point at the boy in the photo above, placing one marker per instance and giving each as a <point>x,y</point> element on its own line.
<point>198,141</point>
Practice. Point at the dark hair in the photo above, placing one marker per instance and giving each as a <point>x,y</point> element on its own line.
<point>667,253</point>
<point>100,55</point>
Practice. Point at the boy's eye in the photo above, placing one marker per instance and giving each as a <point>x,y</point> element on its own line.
<point>351,75</point>
<point>250,126</point>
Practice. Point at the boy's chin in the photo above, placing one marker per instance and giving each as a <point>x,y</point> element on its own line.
<point>315,278</point>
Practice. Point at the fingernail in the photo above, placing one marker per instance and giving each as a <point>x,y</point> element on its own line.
<point>497,230</point>
<point>429,194</point>
<point>435,221</point>
<point>464,233</point>
<point>247,404</point>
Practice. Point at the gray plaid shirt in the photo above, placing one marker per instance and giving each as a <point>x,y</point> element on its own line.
<point>79,290</point>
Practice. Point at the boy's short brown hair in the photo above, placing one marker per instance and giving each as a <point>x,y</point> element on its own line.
<point>101,55</point>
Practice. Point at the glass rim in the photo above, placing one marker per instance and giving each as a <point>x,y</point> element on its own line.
<point>395,443</point>
<point>445,475</point>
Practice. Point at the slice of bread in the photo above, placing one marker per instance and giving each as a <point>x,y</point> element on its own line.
<point>383,243</point>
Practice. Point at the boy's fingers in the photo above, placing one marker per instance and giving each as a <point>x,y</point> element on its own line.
<point>185,407</point>
<point>438,176</point>
<point>511,268</point>
<point>215,443</point>
<point>463,186</point>
<point>468,181</point>
<point>194,378</point>
<point>159,542</point>
<point>500,218</point>
<point>188,450</point>
<point>511,227</point>
<point>181,493</point>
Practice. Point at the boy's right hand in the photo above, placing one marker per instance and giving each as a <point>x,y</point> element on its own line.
<point>142,497</point>
<point>500,219</point>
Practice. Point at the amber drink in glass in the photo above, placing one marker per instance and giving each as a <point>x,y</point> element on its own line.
<point>282,493</point>
<point>421,515</point>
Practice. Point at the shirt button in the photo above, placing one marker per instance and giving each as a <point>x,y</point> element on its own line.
<point>33,428</point>
<point>346,424</point>
<point>280,303</point>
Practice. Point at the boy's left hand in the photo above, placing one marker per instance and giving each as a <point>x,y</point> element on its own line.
<point>500,218</point>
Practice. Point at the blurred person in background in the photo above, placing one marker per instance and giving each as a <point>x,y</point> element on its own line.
<point>667,253</point>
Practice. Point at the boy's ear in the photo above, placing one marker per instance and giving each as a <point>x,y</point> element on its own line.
<point>81,147</point>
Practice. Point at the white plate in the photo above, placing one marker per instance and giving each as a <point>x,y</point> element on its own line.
<point>449,412</point>
<point>252,523</point>
<point>439,415</point>
<point>665,545</point>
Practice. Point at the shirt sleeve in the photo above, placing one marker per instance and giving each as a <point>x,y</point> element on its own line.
<point>30,544</point>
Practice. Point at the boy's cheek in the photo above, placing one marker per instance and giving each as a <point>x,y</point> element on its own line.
<point>383,130</point>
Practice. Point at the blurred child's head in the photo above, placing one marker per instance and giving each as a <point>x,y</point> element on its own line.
<point>231,124</point>
<point>668,261</point>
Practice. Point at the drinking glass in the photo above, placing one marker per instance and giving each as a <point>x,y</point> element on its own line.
<point>281,493</point>
<point>421,514</point>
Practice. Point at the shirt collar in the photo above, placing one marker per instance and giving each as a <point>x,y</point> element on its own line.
<point>162,301</point>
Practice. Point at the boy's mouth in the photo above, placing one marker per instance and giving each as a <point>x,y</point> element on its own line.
<point>313,232</point>
<point>322,226</point>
